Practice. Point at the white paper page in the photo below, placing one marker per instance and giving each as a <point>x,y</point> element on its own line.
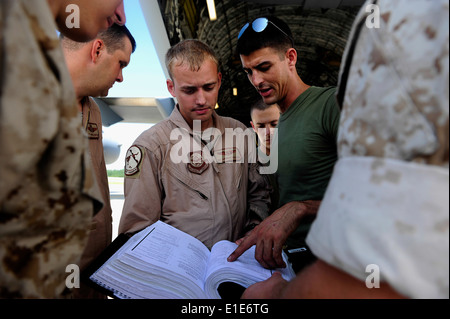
<point>169,248</point>
<point>246,270</point>
<point>150,278</point>
<point>142,284</point>
<point>109,278</point>
<point>245,264</point>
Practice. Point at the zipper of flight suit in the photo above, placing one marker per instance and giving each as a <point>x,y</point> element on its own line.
<point>216,169</point>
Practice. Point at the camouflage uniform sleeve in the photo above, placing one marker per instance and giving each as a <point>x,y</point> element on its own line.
<point>387,201</point>
<point>45,209</point>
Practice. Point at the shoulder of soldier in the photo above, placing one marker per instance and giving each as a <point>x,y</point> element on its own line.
<point>327,96</point>
<point>328,91</point>
<point>155,136</point>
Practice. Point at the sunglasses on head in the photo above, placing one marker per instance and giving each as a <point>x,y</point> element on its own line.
<point>259,25</point>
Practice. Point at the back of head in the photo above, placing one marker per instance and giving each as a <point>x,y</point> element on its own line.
<point>260,106</point>
<point>112,37</point>
<point>191,51</point>
<point>276,34</point>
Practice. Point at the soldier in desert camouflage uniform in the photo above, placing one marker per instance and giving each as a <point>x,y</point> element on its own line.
<point>46,188</point>
<point>387,202</point>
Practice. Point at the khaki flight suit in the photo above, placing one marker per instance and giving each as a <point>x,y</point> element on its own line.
<point>209,193</point>
<point>100,235</point>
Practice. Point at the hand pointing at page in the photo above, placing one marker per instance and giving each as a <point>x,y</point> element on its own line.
<point>270,236</point>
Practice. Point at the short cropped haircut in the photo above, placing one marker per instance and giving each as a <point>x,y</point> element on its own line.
<point>260,105</point>
<point>190,51</point>
<point>270,37</point>
<point>112,38</point>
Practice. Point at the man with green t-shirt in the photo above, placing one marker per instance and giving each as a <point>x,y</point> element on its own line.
<point>307,134</point>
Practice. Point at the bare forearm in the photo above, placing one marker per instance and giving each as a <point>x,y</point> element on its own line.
<point>308,208</point>
<point>322,281</point>
<point>302,209</point>
<point>297,211</point>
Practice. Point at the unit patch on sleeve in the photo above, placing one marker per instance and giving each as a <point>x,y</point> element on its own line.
<point>92,131</point>
<point>133,161</point>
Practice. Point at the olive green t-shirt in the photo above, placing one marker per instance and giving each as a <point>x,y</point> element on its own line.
<point>307,151</point>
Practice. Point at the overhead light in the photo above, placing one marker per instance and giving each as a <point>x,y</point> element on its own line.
<point>211,10</point>
<point>235,91</point>
<point>217,106</point>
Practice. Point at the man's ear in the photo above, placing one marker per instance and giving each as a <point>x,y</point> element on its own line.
<point>171,87</point>
<point>219,79</point>
<point>291,56</point>
<point>97,49</point>
<point>253,126</point>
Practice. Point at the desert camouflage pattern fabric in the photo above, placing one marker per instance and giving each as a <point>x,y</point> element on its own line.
<point>396,104</point>
<point>387,203</point>
<point>46,191</point>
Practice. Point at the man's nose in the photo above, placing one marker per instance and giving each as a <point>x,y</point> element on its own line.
<point>256,79</point>
<point>120,77</point>
<point>119,15</point>
<point>200,98</point>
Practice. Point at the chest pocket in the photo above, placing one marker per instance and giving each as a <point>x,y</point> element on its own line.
<point>180,181</point>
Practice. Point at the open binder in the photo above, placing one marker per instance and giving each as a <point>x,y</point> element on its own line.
<point>162,262</point>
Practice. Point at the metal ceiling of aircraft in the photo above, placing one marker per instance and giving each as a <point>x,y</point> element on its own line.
<point>320,29</point>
